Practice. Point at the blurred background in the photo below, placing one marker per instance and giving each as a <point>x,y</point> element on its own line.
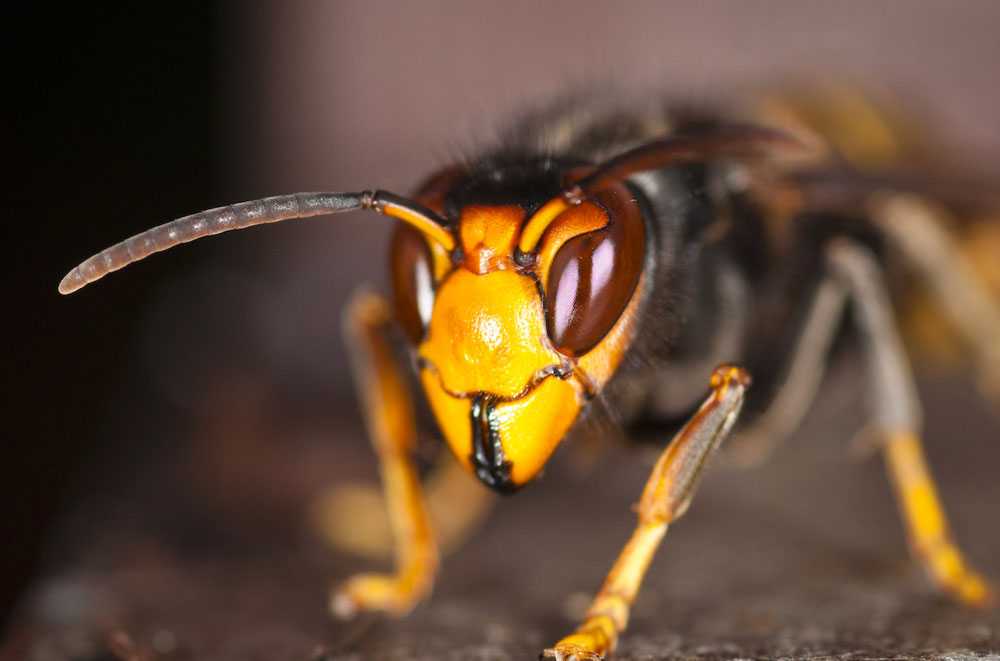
<point>204,394</point>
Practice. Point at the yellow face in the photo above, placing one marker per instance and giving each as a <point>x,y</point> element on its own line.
<point>490,376</point>
<point>503,393</point>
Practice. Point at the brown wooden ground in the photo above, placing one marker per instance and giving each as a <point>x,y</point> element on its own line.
<point>208,555</point>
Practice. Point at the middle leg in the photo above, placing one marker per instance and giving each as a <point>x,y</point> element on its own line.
<point>755,442</point>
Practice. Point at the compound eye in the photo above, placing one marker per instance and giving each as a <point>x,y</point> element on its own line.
<point>592,279</point>
<point>412,281</point>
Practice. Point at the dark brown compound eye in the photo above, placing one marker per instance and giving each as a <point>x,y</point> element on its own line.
<point>593,276</point>
<point>412,261</point>
<point>412,281</point>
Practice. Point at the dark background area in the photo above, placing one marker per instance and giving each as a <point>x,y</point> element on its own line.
<point>192,406</point>
<point>111,119</point>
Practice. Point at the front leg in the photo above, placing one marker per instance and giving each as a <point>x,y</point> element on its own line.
<point>389,416</point>
<point>664,499</point>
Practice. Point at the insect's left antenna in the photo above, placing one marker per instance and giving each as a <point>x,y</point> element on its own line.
<point>247,214</point>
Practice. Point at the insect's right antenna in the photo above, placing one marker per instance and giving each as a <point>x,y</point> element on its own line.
<point>730,141</point>
<point>248,214</point>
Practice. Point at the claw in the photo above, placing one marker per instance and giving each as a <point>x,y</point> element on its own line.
<point>373,593</point>
<point>570,652</point>
<point>576,647</point>
<point>342,605</point>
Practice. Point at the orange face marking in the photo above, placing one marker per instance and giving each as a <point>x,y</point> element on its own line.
<point>532,427</point>
<point>538,223</point>
<point>487,334</point>
<point>452,414</point>
<point>574,221</point>
<point>487,235</point>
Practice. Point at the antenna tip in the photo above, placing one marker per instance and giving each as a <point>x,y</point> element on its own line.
<point>71,282</point>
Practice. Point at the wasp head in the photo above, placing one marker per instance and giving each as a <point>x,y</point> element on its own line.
<point>523,319</point>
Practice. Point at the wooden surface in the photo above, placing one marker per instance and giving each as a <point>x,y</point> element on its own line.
<point>191,557</point>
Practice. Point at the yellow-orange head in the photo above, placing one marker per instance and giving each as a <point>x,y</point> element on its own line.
<point>528,314</point>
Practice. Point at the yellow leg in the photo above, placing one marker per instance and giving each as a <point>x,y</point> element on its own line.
<point>897,417</point>
<point>929,536</point>
<point>664,499</point>
<point>389,416</point>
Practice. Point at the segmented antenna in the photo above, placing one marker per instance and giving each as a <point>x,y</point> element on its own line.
<point>719,142</point>
<point>729,141</point>
<point>247,214</point>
